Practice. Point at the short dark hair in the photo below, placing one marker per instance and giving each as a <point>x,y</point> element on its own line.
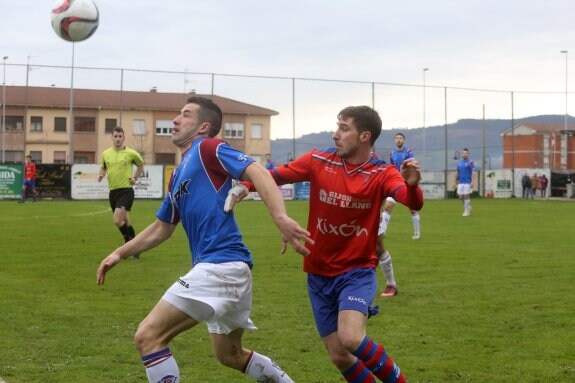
<point>209,112</point>
<point>366,119</point>
<point>118,129</point>
<point>400,134</point>
<point>29,156</point>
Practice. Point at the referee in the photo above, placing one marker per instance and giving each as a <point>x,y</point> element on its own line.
<point>118,162</point>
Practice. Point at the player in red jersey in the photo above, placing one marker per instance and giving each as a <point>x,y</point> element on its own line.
<point>29,180</point>
<point>347,188</point>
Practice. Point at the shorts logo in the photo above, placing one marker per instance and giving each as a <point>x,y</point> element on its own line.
<point>184,283</point>
<point>168,379</point>
<point>357,299</point>
<point>242,158</point>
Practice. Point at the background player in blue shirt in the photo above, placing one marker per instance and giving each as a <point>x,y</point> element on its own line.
<point>465,169</point>
<point>218,289</point>
<point>397,156</point>
<point>269,163</point>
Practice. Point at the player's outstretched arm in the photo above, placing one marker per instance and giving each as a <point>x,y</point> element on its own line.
<point>149,238</point>
<point>290,231</point>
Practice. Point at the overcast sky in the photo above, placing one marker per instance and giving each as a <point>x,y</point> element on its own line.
<point>488,44</point>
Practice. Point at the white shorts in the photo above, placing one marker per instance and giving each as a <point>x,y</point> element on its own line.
<point>463,189</point>
<point>218,293</point>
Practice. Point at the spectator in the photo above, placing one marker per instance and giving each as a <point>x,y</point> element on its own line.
<point>534,185</point>
<point>543,183</point>
<point>526,185</point>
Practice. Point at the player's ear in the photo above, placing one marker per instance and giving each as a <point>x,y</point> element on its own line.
<point>204,128</point>
<point>365,136</point>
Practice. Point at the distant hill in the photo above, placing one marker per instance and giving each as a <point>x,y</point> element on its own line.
<point>463,133</point>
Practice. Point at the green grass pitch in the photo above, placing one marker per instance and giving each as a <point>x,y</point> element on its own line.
<point>485,298</point>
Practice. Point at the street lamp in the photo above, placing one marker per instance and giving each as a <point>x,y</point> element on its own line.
<point>564,150</point>
<point>424,140</point>
<point>4,110</point>
<point>566,87</point>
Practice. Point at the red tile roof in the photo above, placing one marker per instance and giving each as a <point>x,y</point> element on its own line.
<point>111,99</point>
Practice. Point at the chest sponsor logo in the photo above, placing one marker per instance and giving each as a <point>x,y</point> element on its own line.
<point>344,230</point>
<point>182,189</point>
<point>343,200</point>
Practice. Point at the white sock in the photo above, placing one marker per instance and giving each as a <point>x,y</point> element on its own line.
<point>262,369</point>
<point>467,204</point>
<point>387,268</point>
<point>161,367</point>
<point>384,222</point>
<point>415,218</point>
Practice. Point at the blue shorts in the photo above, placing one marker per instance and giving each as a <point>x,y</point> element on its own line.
<point>352,290</point>
<point>30,183</point>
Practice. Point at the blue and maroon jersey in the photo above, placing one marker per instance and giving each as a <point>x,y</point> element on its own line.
<point>345,206</point>
<point>196,195</point>
<point>398,156</point>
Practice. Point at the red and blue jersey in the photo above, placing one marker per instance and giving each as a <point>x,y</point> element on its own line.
<point>345,206</point>
<point>397,157</point>
<point>30,172</point>
<point>196,195</point>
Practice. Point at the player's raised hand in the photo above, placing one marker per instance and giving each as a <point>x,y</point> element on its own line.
<point>235,195</point>
<point>293,234</point>
<point>410,171</point>
<point>108,262</point>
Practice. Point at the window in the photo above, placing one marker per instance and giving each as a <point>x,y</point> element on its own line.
<point>257,131</point>
<point>36,156</point>
<point>14,122</point>
<point>165,159</point>
<point>13,157</point>
<point>111,123</point>
<point>59,157</point>
<point>84,124</point>
<point>36,123</point>
<point>139,127</point>
<point>60,124</point>
<point>233,130</point>
<point>84,157</point>
<point>164,127</point>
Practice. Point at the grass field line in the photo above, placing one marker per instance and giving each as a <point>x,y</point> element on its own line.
<point>42,216</point>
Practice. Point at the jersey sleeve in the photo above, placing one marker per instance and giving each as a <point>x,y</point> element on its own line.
<point>296,171</point>
<point>168,212</point>
<point>410,196</point>
<point>219,158</point>
<point>138,160</point>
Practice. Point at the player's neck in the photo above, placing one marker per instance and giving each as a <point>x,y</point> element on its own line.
<point>358,159</point>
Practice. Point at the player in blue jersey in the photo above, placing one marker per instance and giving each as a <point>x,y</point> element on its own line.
<point>270,165</point>
<point>465,169</point>
<point>218,289</point>
<point>397,156</point>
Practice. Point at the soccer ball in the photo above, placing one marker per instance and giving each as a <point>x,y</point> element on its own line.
<point>75,20</point>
